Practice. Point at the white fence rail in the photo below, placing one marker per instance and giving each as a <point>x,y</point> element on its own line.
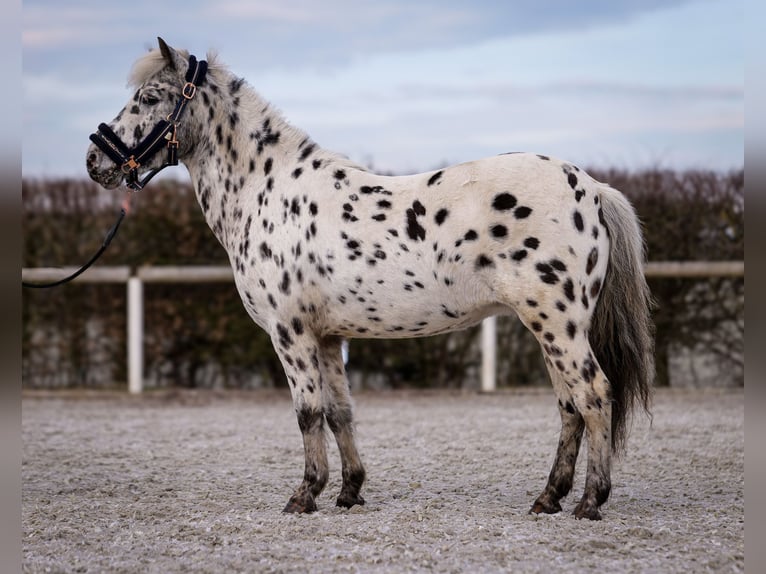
<point>217,274</point>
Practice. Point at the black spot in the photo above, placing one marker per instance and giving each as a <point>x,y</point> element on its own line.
<point>588,371</point>
<point>578,222</point>
<point>560,306</point>
<point>579,194</point>
<point>532,303</point>
<point>434,178</point>
<point>449,313</point>
<point>384,204</point>
<point>415,231</point>
<point>339,175</point>
<point>235,85</point>
<point>297,325</point>
<point>595,288</point>
<point>532,242</point>
<point>504,202</point>
<point>307,152</point>
<point>316,164</point>
<point>592,260</point>
<point>547,273</point>
<point>499,231</point>
<point>558,265</point>
<point>285,340</point>
<point>522,212</point>
<point>571,329</point>
<point>267,166</point>
<point>519,255</point>
<point>313,209</point>
<point>441,215</point>
<point>572,179</point>
<point>297,172</point>
<point>483,261</point>
<point>379,217</point>
<point>265,251</point>
<point>544,157</point>
<point>272,301</point>
<point>471,235</point>
<point>569,289</point>
<point>284,285</point>
<point>536,327</point>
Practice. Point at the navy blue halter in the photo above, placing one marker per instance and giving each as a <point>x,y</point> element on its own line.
<point>163,134</point>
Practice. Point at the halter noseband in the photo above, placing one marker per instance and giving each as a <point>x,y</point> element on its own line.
<point>130,160</point>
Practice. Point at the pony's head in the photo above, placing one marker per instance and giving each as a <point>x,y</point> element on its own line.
<point>160,79</point>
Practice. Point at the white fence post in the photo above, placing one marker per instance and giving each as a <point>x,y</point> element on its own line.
<point>488,351</point>
<point>135,335</point>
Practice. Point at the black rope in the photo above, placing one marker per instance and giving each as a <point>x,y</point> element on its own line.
<point>107,240</point>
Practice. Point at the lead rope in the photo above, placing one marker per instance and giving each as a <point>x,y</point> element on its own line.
<point>107,240</point>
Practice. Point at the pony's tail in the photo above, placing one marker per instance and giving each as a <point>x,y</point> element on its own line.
<point>621,333</point>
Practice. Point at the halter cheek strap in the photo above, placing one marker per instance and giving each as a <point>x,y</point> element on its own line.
<point>163,134</point>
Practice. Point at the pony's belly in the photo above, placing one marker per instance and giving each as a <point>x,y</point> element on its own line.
<point>407,322</point>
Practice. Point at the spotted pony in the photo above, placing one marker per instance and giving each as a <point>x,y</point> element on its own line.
<point>324,250</point>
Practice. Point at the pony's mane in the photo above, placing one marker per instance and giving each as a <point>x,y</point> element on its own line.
<point>153,62</point>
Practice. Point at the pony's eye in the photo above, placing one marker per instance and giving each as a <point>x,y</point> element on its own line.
<point>149,100</point>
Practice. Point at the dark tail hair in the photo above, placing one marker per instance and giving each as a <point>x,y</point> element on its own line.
<point>621,333</point>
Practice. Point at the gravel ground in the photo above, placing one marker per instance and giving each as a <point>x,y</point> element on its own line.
<point>195,482</point>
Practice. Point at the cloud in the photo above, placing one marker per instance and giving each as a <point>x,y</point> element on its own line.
<point>52,26</point>
<point>413,84</point>
<point>49,88</point>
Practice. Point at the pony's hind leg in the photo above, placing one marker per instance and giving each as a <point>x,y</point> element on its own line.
<point>561,476</point>
<point>338,409</point>
<point>584,401</point>
<point>299,354</point>
<point>593,398</point>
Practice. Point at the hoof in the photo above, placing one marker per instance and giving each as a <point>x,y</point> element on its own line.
<point>542,506</point>
<point>300,505</point>
<point>346,501</point>
<point>585,510</point>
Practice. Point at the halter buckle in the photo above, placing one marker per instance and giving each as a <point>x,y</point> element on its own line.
<point>189,90</point>
<point>130,165</point>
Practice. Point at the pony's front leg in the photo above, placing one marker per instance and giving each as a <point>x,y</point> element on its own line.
<point>339,413</point>
<point>299,353</point>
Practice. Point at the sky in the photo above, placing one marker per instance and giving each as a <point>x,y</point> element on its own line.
<point>406,86</point>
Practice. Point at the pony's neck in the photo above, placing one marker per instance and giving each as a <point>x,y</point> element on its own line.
<point>242,142</point>
<point>240,130</point>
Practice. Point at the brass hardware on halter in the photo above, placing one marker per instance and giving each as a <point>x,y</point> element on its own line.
<point>189,90</point>
<point>130,165</point>
<point>172,147</point>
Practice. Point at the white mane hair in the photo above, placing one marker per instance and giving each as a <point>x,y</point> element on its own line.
<point>153,62</point>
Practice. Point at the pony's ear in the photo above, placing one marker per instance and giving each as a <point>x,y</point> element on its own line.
<point>168,53</point>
